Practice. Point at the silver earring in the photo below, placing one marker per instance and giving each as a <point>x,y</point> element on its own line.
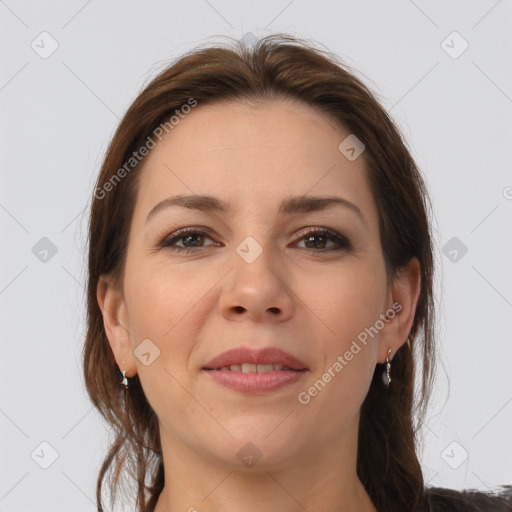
<point>386,375</point>
<point>124,382</point>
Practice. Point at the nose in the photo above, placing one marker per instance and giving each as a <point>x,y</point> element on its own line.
<point>256,291</point>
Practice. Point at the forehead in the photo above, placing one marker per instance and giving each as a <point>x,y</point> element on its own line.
<point>253,154</point>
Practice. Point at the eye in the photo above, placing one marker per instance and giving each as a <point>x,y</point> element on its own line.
<point>318,238</point>
<point>186,239</point>
<point>315,239</point>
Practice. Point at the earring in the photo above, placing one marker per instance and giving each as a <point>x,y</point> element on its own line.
<point>386,375</point>
<point>124,382</point>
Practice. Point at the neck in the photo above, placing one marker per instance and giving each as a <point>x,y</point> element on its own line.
<point>266,491</point>
<point>325,482</point>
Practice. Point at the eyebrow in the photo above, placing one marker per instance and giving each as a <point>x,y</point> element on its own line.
<point>299,204</point>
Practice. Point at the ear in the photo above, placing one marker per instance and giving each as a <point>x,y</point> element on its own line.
<point>115,320</point>
<point>403,301</point>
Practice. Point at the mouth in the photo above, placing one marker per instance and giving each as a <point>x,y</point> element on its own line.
<point>255,371</point>
<point>246,360</point>
<point>255,368</point>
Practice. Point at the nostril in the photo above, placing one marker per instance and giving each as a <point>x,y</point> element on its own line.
<point>239,309</point>
<point>274,310</point>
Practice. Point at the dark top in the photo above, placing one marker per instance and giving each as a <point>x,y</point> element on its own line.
<point>469,500</point>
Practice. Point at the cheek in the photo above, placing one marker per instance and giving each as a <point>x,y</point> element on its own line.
<point>348,349</point>
<point>347,302</point>
<point>159,324</point>
<point>154,311</point>
<point>158,297</point>
<point>167,305</point>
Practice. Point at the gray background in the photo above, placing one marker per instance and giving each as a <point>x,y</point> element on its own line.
<point>59,112</point>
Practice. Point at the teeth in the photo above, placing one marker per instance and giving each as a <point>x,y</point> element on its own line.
<point>249,368</point>
<point>254,368</point>
<point>263,368</point>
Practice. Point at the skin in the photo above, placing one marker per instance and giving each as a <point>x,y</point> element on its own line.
<point>311,303</point>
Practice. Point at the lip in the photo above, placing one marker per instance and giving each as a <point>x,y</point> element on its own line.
<point>256,382</point>
<point>267,355</point>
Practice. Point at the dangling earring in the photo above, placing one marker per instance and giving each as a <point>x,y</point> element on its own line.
<point>124,382</point>
<point>386,375</point>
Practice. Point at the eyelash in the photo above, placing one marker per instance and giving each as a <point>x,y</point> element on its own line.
<point>167,243</point>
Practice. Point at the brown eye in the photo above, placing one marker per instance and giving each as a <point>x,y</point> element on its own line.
<point>315,241</point>
<point>186,240</point>
<point>324,240</point>
<point>195,240</point>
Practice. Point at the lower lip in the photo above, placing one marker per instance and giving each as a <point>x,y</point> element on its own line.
<point>256,382</point>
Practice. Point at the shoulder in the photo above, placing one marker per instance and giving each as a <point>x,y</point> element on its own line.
<point>469,500</point>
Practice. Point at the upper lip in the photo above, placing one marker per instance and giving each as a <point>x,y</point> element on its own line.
<point>267,355</point>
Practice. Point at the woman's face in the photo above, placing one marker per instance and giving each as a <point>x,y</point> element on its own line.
<point>264,266</point>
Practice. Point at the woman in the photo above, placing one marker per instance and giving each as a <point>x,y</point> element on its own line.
<point>260,271</point>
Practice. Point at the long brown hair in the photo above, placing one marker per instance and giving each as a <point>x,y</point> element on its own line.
<point>277,66</point>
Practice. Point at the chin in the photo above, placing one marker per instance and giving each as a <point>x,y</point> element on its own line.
<point>249,456</point>
<point>257,444</point>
